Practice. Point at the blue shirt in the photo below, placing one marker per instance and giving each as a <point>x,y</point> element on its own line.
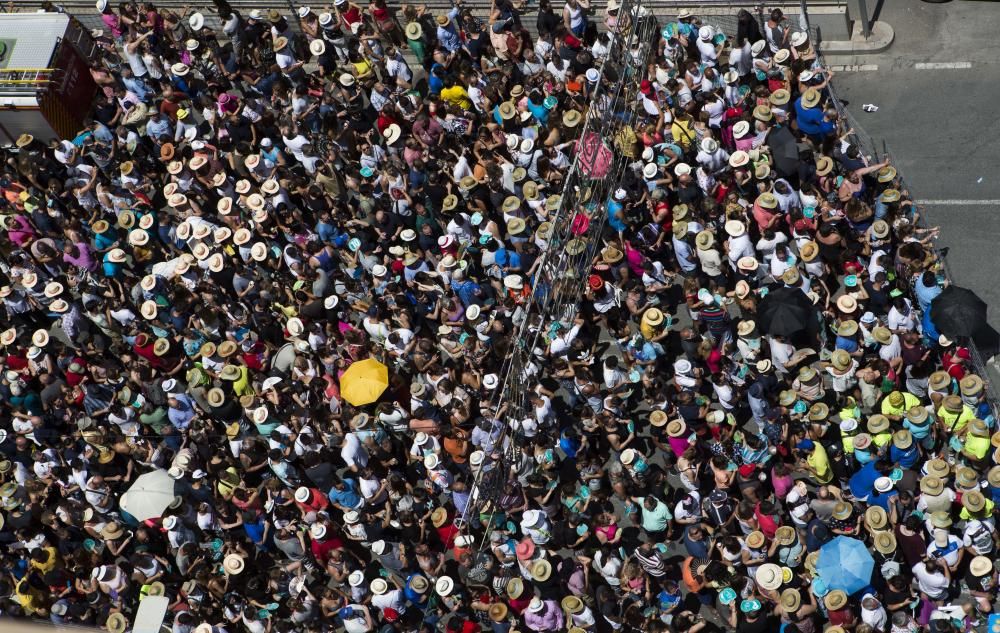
<point>847,343</point>
<point>348,497</point>
<point>508,258</point>
<point>540,112</point>
<point>325,231</point>
<point>863,482</point>
<point>925,295</point>
<point>811,120</point>
<point>447,35</point>
<point>466,291</point>
<point>156,129</point>
<point>904,457</point>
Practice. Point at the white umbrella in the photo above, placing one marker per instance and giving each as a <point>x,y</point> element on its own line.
<point>149,496</point>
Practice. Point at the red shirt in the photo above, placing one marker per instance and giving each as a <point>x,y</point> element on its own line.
<point>520,604</point>
<point>447,533</point>
<point>317,501</point>
<point>321,549</point>
<point>951,363</point>
<point>17,362</point>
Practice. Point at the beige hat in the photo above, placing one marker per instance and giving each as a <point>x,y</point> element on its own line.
<point>258,251</point>
<point>149,310</point>
<point>40,338</point>
<point>768,576</point>
<point>53,289</point>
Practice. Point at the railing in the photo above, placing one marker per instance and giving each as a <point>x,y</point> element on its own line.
<point>876,151</point>
<point>27,80</point>
<point>559,283</point>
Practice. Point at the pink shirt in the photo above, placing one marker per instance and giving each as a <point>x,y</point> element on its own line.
<point>19,230</point>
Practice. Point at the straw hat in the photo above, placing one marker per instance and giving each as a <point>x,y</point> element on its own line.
<point>161,347</point>
<point>768,576</point>
<point>785,535</point>
<point>652,317</point>
<point>40,338</point>
<point>877,424</point>
<point>842,511</point>
<point>876,518</point>
<point>444,586</point>
<point>9,335</point>
<point>755,539</point>
<point>149,310</point>
<point>676,428</point>
<point>258,252</point>
<point>791,600</point>
<point>941,519</point>
<point>810,98</point>
<point>834,600</point>
<point>116,623</point>
<point>233,564</point>
<point>937,467</point>
<point>515,588</point>
<point>414,31</point>
<point>971,385</point>
<point>980,566</point>
<point>541,570</point>
<point>840,360</point>
<point>438,517</point>
<point>973,501</point>
<point>885,542</point>
<point>216,397</point>
<point>116,256</point>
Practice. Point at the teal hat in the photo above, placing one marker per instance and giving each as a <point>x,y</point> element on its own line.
<point>367,172</point>
<point>354,244</point>
<point>896,474</point>
<point>819,587</point>
<point>728,595</point>
<point>748,606</point>
<point>476,218</point>
<point>851,281</point>
<point>550,102</point>
<point>809,212</point>
<point>800,407</point>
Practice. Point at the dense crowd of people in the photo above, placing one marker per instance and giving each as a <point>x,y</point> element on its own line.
<point>751,376</point>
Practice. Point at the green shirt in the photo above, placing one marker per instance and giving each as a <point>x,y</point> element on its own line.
<point>657,519</point>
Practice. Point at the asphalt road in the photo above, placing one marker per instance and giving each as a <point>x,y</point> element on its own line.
<point>935,89</point>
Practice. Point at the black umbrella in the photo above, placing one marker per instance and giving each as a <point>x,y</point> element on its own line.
<point>784,150</point>
<point>786,311</point>
<point>958,312</point>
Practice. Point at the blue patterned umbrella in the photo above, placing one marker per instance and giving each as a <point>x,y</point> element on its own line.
<point>845,564</point>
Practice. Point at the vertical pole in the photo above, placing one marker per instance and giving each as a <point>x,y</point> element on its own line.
<point>866,27</point>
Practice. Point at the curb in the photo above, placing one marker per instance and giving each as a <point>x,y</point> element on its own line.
<point>880,40</point>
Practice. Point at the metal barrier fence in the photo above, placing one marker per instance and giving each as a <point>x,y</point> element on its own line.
<point>877,150</point>
<point>560,280</point>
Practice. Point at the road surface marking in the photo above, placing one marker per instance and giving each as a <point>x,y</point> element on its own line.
<point>952,202</point>
<point>855,68</point>
<point>942,65</point>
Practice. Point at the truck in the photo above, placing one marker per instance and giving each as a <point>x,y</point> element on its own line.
<point>46,89</point>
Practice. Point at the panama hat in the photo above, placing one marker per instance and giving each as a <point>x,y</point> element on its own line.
<point>768,576</point>
<point>497,611</point>
<point>149,310</point>
<point>379,586</point>
<point>876,518</point>
<point>739,158</point>
<point>116,256</point>
<point>973,501</point>
<point>971,385</point>
<point>9,335</point>
<point>25,139</point>
<point>515,588</point>
<point>785,535</point>
<point>161,347</point>
<point>755,539</point>
<point>258,252</point>
<point>414,31</point>
<point>40,338</point>
<point>658,418</point>
<point>735,228</point>
<point>980,566</point>
<point>842,510</point>
<point>216,397</point>
<point>886,174</point>
<point>317,47</point>
<point>444,586</point>
<point>541,570</point>
<point>116,623</point>
<point>676,428</point>
<point>791,600</point>
<point>835,600</point>
<point>59,306</point>
<point>439,517</point>
<point>704,240</point>
<point>571,118</point>
<point>233,564</point>
<point>885,542</point>
<point>652,316</point>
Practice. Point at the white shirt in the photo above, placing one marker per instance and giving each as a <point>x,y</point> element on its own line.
<point>353,452</point>
<point>708,53</point>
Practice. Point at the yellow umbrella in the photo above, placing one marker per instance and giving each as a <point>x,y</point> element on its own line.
<point>364,381</point>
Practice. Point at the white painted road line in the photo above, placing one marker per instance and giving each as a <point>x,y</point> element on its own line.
<point>951,202</point>
<point>942,65</point>
<point>855,68</point>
